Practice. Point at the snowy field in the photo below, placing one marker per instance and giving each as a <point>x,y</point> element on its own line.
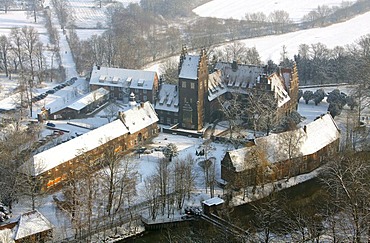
<point>237,9</point>
<point>270,47</point>
<point>88,15</point>
<point>19,19</point>
<point>341,34</point>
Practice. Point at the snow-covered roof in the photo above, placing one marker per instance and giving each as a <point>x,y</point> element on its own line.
<point>241,77</point>
<point>215,85</point>
<point>279,88</point>
<point>31,223</point>
<point>139,117</point>
<point>214,201</point>
<point>126,78</point>
<point>134,120</point>
<point>303,141</point>
<point>189,68</point>
<point>88,99</point>
<point>64,152</point>
<point>168,98</point>
<point>11,102</point>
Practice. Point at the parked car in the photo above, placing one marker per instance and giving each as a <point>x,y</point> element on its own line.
<point>50,91</point>
<point>49,124</point>
<point>140,150</point>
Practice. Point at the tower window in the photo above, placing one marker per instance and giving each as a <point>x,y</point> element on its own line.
<point>192,85</point>
<point>183,84</point>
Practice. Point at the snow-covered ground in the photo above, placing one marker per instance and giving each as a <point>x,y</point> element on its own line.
<point>341,34</point>
<point>345,33</point>
<point>236,9</point>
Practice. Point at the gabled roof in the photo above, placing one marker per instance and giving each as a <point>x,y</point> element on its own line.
<point>88,99</point>
<point>241,75</point>
<point>289,145</point>
<point>31,223</point>
<point>64,152</point>
<point>279,88</point>
<point>126,78</point>
<point>139,117</point>
<point>189,67</point>
<point>135,119</point>
<point>241,78</point>
<point>168,98</point>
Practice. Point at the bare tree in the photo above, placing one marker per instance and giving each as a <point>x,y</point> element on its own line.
<point>17,44</point>
<point>151,194</point>
<point>4,52</point>
<point>163,173</point>
<point>169,70</point>
<point>14,150</point>
<point>32,8</point>
<point>268,214</point>
<point>262,115</point>
<point>118,182</point>
<point>235,51</point>
<point>111,111</point>
<point>279,20</point>
<point>30,40</point>
<point>6,4</point>
<point>288,148</point>
<point>347,179</point>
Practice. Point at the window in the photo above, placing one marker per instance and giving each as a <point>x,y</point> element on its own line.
<point>145,91</point>
<point>111,88</point>
<point>120,95</point>
<point>145,98</point>
<point>192,85</point>
<point>168,120</point>
<point>191,100</point>
<point>183,84</point>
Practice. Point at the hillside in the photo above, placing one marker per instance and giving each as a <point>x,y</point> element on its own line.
<point>237,9</point>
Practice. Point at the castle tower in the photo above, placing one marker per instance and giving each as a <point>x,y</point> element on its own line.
<point>193,88</point>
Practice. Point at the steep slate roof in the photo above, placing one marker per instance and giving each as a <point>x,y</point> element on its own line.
<point>31,223</point>
<point>244,76</point>
<point>303,141</point>
<point>136,119</point>
<point>242,79</point>
<point>126,78</point>
<point>189,68</point>
<point>88,99</point>
<point>168,98</point>
<point>279,88</point>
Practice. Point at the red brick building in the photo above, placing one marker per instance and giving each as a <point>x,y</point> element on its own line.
<point>132,128</point>
<point>122,82</point>
<point>282,155</point>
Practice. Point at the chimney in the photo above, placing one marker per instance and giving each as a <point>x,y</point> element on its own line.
<point>234,66</point>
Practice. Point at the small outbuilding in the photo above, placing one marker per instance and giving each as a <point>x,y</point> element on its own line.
<point>211,205</point>
<point>28,227</point>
